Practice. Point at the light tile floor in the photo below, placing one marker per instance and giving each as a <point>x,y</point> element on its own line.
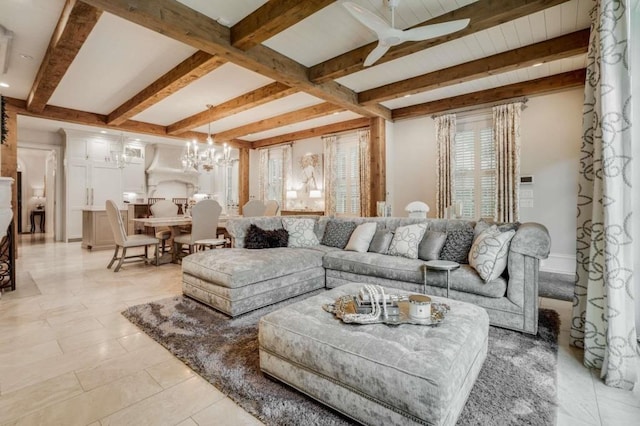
<point>68,357</point>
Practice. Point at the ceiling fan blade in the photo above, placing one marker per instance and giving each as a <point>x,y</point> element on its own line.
<point>376,54</point>
<point>435,30</point>
<point>367,18</point>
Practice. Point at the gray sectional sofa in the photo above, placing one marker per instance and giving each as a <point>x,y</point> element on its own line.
<point>239,280</point>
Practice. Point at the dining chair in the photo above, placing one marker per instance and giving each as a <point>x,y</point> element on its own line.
<point>164,208</point>
<point>253,208</point>
<point>417,209</point>
<point>272,208</point>
<point>127,241</point>
<point>180,202</point>
<point>204,227</point>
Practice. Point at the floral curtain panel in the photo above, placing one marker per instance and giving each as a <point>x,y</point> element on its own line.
<point>365,172</point>
<point>506,136</point>
<point>445,136</point>
<point>603,312</point>
<point>329,174</point>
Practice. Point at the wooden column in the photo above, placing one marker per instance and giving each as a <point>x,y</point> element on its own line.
<point>243,177</point>
<point>378,164</point>
<point>9,166</point>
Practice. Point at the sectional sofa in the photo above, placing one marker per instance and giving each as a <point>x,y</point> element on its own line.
<point>239,279</point>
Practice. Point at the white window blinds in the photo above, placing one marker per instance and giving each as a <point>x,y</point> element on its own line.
<point>475,167</point>
<point>347,185</point>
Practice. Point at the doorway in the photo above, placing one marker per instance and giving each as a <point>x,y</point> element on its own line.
<point>36,191</point>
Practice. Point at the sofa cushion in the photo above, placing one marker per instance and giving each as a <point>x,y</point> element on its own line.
<point>258,238</point>
<point>337,233</point>
<point>482,224</point>
<point>406,240</point>
<point>489,252</point>
<point>457,245</point>
<point>361,237</point>
<point>300,231</point>
<point>431,245</point>
<point>380,242</point>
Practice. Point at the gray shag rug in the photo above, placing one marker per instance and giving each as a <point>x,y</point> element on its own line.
<point>556,286</point>
<point>516,386</point>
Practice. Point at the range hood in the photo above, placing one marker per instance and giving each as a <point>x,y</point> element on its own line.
<point>166,166</point>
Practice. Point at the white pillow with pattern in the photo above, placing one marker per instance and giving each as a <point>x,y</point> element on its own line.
<point>489,252</point>
<point>406,240</point>
<point>300,232</point>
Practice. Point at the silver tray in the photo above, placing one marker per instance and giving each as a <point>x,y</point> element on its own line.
<point>347,305</point>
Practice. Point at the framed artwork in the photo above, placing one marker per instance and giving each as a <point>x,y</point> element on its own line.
<point>311,172</point>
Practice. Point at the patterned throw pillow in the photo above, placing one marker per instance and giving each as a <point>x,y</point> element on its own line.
<point>482,224</point>
<point>406,240</point>
<point>337,233</point>
<point>258,238</point>
<point>361,237</point>
<point>431,245</point>
<point>488,255</point>
<point>457,245</point>
<point>380,242</point>
<point>300,232</point>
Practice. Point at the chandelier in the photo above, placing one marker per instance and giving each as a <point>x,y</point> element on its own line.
<point>195,159</point>
<point>120,157</point>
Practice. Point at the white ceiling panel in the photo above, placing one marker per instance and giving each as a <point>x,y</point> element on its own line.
<point>304,125</point>
<point>32,24</point>
<point>117,60</point>
<point>224,83</point>
<point>529,73</point>
<point>226,12</point>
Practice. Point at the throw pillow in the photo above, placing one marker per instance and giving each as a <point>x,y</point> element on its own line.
<point>406,240</point>
<point>361,237</point>
<point>380,242</point>
<point>488,255</point>
<point>481,225</point>
<point>258,238</point>
<point>457,245</point>
<point>337,233</point>
<point>431,245</point>
<point>300,232</point>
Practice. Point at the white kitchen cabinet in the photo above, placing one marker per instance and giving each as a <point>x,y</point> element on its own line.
<point>133,178</point>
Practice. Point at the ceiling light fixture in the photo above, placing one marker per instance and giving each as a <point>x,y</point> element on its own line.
<point>120,156</point>
<point>3,84</point>
<point>193,160</point>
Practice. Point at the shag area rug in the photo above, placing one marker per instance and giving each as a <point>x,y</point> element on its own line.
<point>516,386</point>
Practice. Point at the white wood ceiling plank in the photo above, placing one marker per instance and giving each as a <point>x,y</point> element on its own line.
<point>553,24</point>
<point>584,10</point>
<point>524,31</point>
<point>538,26</point>
<point>484,41</point>
<point>510,35</point>
<point>228,13</point>
<point>569,16</point>
<point>497,39</point>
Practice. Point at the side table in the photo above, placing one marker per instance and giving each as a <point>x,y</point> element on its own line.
<point>439,265</point>
<point>40,214</point>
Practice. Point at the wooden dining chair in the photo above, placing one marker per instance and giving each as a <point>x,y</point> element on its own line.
<point>253,208</point>
<point>163,208</point>
<point>127,241</point>
<point>204,227</point>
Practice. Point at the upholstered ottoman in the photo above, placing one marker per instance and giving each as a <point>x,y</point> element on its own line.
<point>377,374</point>
<point>234,281</point>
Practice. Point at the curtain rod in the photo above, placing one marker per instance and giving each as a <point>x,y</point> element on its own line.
<point>367,127</point>
<point>522,99</point>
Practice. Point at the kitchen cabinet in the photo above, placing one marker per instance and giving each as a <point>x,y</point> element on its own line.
<point>133,178</point>
<point>96,230</point>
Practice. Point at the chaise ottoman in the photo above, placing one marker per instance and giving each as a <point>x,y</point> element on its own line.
<point>236,281</point>
<point>377,374</point>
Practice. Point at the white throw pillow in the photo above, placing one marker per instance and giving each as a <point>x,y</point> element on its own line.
<point>489,252</point>
<point>300,232</point>
<point>361,237</point>
<point>406,240</point>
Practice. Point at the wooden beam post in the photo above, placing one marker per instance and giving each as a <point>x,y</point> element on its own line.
<point>243,178</point>
<point>377,164</point>
<point>9,167</point>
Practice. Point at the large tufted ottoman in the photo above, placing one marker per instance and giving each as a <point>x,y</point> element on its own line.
<point>377,374</point>
<point>234,282</point>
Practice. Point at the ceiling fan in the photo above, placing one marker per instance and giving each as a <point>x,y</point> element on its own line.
<point>389,36</point>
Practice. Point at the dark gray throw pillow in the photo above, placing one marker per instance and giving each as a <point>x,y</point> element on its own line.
<point>431,245</point>
<point>457,245</point>
<point>258,238</point>
<point>381,241</point>
<point>337,233</point>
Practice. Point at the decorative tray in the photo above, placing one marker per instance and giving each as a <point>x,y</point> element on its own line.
<point>346,306</point>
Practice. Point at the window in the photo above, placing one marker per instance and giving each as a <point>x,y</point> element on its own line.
<point>275,169</point>
<point>475,167</point>
<point>347,185</point>
<point>274,178</point>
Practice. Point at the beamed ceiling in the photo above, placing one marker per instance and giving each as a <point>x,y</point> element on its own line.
<point>259,72</point>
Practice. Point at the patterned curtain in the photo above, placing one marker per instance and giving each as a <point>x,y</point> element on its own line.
<point>603,309</point>
<point>365,172</point>
<point>329,174</point>
<point>287,172</point>
<point>506,136</point>
<point>445,135</point>
<point>263,174</point>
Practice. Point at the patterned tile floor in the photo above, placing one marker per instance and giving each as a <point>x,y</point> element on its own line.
<point>68,357</point>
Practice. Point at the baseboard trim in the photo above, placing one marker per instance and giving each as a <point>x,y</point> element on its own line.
<point>559,264</point>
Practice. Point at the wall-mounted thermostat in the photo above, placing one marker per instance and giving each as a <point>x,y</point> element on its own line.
<point>526,179</point>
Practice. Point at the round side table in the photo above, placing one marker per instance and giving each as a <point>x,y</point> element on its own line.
<point>439,265</point>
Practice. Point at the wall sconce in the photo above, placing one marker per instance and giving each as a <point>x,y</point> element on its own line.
<point>292,194</point>
<point>315,193</point>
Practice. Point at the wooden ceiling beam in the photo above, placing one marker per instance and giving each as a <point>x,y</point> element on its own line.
<point>74,26</point>
<point>483,14</point>
<point>244,102</point>
<point>538,86</point>
<point>550,50</point>
<point>343,126</point>
<point>271,18</point>
<point>309,113</point>
<point>176,20</point>
<point>197,65</point>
